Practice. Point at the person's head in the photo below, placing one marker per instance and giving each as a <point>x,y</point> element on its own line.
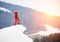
<point>16,12</point>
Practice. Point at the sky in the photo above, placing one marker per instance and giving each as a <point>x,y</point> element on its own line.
<point>14,34</point>
<point>47,6</point>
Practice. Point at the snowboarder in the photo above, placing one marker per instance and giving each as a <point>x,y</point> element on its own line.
<point>17,20</point>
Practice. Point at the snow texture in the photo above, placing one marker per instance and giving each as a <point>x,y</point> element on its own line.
<point>5,10</point>
<point>49,30</point>
<point>14,34</point>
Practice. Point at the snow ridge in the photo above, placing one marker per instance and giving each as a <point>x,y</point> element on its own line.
<point>5,10</point>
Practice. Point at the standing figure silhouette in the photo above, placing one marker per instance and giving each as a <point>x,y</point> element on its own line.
<point>17,20</point>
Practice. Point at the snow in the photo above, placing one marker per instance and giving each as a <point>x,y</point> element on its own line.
<point>5,10</point>
<point>14,34</point>
<point>49,30</point>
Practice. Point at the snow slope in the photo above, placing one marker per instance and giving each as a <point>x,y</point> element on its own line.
<point>14,34</point>
<point>5,10</point>
<point>49,30</point>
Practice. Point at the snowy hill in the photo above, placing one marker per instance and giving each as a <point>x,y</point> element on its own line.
<point>49,30</point>
<point>14,34</point>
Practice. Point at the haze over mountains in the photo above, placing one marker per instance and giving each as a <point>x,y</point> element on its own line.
<point>33,20</point>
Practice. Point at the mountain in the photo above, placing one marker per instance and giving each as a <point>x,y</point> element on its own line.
<point>32,19</point>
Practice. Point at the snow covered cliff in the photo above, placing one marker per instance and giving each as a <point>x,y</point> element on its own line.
<point>14,34</point>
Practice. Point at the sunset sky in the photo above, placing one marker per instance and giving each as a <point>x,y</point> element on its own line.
<point>48,6</point>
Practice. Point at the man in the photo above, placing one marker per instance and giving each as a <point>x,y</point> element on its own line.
<point>17,20</point>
